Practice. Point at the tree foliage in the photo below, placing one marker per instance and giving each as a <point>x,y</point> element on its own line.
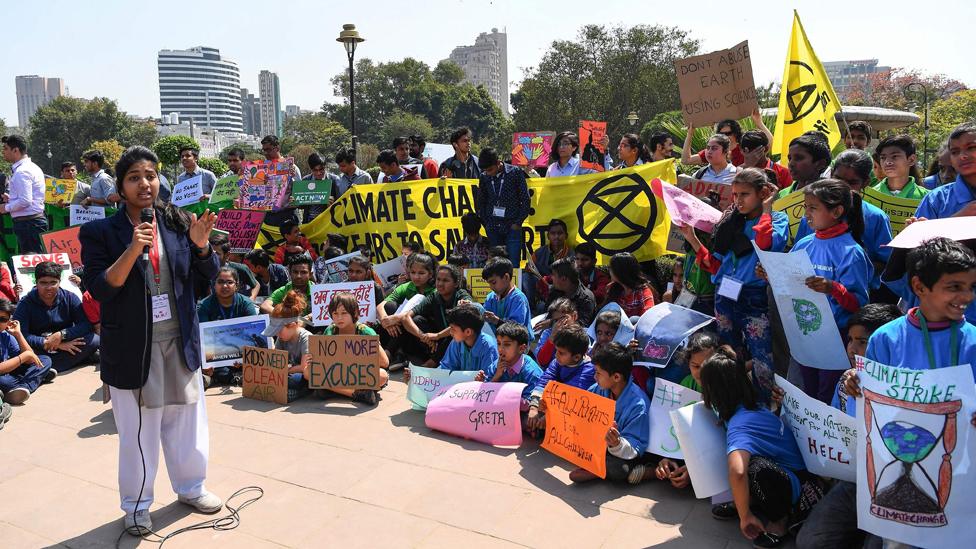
<point>301,154</point>
<point>216,165</point>
<point>315,130</point>
<point>404,124</point>
<point>111,148</point>
<point>168,150</point>
<point>603,75</point>
<point>944,115</point>
<point>888,89</point>
<point>250,153</point>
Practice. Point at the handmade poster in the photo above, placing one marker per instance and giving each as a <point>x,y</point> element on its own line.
<point>807,319</point>
<point>792,206</point>
<point>532,148</point>
<point>344,362</point>
<point>427,383</point>
<point>419,168</point>
<point>226,189</point>
<point>479,289</point>
<point>265,184</point>
<point>439,152</point>
<point>577,422</point>
<point>592,151</point>
<point>827,437</point>
<point>221,341</point>
<point>310,191</point>
<point>915,473</point>
<point>716,86</point>
<point>676,240</point>
<point>333,270</point>
<point>409,304</point>
<point>955,228</point>
<point>686,209</point>
<point>56,190</point>
<point>265,374</point>
<point>79,215</point>
<point>65,241</point>
<point>662,329</point>
<point>625,332</point>
<point>702,189</point>
<point>483,412</point>
<point>898,208</point>
<point>24,272</point>
<point>390,271</point>
<point>243,226</point>
<point>322,295</point>
<point>189,191</point>
<point>667,396</point>
<point>702,439</point>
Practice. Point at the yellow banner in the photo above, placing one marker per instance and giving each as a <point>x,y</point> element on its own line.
<point>897,208</point>
<point>59,189</point>
<point>807,100</point>
<point>617,211</point>
<point>792,206</point>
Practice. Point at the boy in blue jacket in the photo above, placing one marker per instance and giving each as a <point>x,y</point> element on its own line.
<point>513,364</point>
<point>21,370</point>
<point>628,436</point>
<point>470,349</point>
<point>505,302</point>
<point>571,366</point>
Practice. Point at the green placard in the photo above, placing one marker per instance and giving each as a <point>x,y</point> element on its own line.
<point>309,191</point>
<point>225,189</point>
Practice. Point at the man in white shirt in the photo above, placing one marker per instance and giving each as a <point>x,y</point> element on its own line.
<point>25,198</point>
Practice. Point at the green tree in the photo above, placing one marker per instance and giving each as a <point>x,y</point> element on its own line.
<point>315,130</point>
<point>216,165</point>
<point>366,156</point>
<point>111,148</point>
<point>250,153</point>
<point>603,74</point>
<point>404,124</point>
<point>168,151</point>
<point>944,115</point>
<point>301,153</point>
<point>888,89</point>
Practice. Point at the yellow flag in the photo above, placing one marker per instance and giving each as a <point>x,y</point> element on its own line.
<point>807,100</point>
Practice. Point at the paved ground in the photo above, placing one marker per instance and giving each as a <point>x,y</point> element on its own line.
<point>333,473</point>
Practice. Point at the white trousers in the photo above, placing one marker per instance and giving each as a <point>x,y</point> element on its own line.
<point>182,431</point>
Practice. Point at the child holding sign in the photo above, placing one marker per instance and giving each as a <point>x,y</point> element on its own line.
<point>513,364</point>
<point>471,350</point>
<point>285,325</point>
<point>571,366</point>
<point>420,269</point>
<point>627,437</point>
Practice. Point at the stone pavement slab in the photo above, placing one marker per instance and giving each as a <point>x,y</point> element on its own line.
<point>334,473</point>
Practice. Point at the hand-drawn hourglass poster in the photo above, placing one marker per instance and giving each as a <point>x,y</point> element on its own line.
<point>914,471</point>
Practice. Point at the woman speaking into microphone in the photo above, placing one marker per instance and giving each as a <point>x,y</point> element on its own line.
<point>141,264</point>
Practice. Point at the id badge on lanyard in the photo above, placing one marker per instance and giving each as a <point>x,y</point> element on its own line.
<point>160,302</point>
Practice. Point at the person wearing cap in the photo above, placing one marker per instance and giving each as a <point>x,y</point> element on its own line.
<point>285,325</point>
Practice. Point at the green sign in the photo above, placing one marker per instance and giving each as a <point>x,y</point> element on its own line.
<point>225,189</point>
<point>310,191</point>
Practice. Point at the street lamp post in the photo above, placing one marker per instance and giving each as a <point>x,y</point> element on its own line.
<point>926,92</point>
<point>50,163</point>
<point>350,38</point>
<point>632,118</point>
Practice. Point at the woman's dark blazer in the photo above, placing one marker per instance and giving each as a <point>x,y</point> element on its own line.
<point>126,324</point>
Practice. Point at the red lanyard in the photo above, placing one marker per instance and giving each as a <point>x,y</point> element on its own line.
<point>154,255</point>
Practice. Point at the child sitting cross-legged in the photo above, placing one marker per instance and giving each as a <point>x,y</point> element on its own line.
<point>470,349</point>
<point>513,364</point>
<point>505,302</point>
<point>570,366</point>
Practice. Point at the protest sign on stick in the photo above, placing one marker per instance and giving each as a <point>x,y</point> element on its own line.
<point>483,412</point>
<point>532,148</point>
<point>265,375</point>
<point>24,266</point>
<point>685,208</point>
<point>702,440</point>
<point>344,362</point>
<point>667,396</point>
<point>226,189</point>
<point>576,426</point>
<point>265,184</point>
<point>310,191</point>
<point>716,86</point>
<point>59,190</point>
<point>827,437</point>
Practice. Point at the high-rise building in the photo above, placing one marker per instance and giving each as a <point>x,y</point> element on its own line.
<point>486,64</point>
<point>199,84</point>
<point>292,110</point>
<point>846,76</point>
<point>251,107</point>
<point>33,92</point>
<point>271,119</point>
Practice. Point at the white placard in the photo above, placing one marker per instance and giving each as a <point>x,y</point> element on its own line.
<point>222,342</point>
<point>703,442</point>
<point>322,295</point>
<point>188,191</point>
<point>625,330</point>
<point>667,396</point>
<point>24,267</point>
<point>827,437</point>
<point>409,304</point>
<point>330,271</point>
<point>79,215</point>
<point>390,272</point>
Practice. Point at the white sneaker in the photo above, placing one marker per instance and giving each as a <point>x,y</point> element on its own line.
<point>139,523</point>
<point>206,502</point>
<point>17,395</point>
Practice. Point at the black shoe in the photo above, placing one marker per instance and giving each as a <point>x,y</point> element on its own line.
<point>724,511</point>
<point>768,539</point>
<point>366,396</point>
<point>237,380</point>
<point>49,376</point>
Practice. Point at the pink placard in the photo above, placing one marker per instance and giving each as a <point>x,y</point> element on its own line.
<point>955,228</point>
<point>686,209</point>
<point>484,412</point>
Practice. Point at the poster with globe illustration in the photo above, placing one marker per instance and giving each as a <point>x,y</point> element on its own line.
<point>915,454</point>
<point>807,320</point>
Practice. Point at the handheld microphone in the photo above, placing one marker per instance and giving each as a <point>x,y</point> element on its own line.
<point>146,217</point>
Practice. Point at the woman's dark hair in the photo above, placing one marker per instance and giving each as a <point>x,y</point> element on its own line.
<point>362,261</point>
<point>627,270</point>
<point>722,140</point>
<point>962,129</point>
<point>906,143</point>
<point>857,160</point>
<point>348,302</point>
<point>634,142</point>
<point>725,386</point>
<point>452,270</point>
<point>48,269</point>
<point>934,168</point>
<point>815,144</point>
<point>425,260</point>
<point>175,219</point>
<point>704,340</point>
<point>833,193</point>
<point>733,125</point>
<point>754,177</point>
<point>559,137</point>
<point>231,271</point>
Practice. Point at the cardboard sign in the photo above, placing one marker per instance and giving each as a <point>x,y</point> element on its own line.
<point>667,396</point>
<point>827,437</point>
<point>265,374</point>
<point>716,86</point>
<point>322,295</point>
<point>189,191</point>
<point>310,191</point>
<point>65,241</point>
<point>701,189</point>
<point>479,289</point>
<point>79,215</point>
<point>221,341</point>
<point>532,148</point>
<point>265,184</point>
<point>330,271</point>
<point>56,190</point>
<point>686,209</point>
<point>483,412</point>
<point>576,426</point>
<point>344,361</point>
<point>591,133</point>
<point>24,272</point>
<point>427,383</point>
<point>226,189</point>
<point>243,227</point>
<point>703,443</point>
<point>662,329</point>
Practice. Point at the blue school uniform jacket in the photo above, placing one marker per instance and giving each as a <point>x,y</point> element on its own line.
<point>901,343</point>
<point>946,200</point>
<point>631,414</point>
<point>514,307</point>
<point>761,433</point>
<point>843,260</point>
<point>482,356</point>
<point>528,373</point>
<point>580,375</point>
<point>877,235</point>
<point>743,268</point>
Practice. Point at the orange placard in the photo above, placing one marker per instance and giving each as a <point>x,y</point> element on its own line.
<point>576,426</point>
<point>591,134</point>
<point>65,241</point>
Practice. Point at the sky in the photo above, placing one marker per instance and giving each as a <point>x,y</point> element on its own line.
<point>108,48</point>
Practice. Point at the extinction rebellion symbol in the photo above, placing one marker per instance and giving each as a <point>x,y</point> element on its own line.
<point>618,214</point>
<point>806,97</point>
